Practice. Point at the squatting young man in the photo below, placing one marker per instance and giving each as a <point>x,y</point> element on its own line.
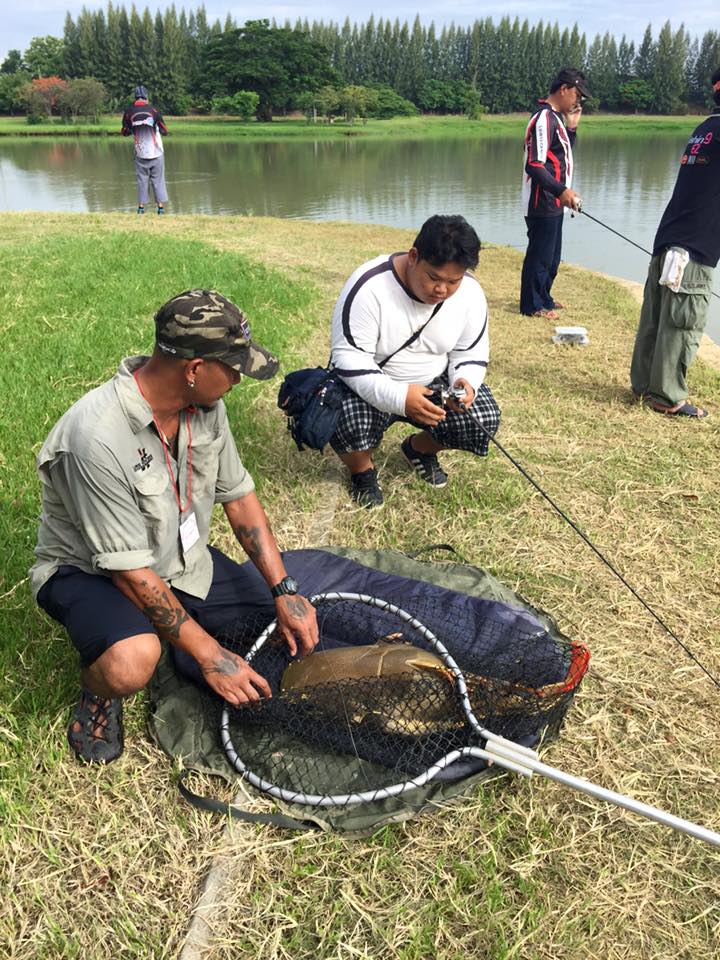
<point>402,323</point>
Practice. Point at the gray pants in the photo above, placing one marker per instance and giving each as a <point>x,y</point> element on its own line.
<point>671,327</point>
<point>150,171</point>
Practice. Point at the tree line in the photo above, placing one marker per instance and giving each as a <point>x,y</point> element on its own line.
<point>188,63</point>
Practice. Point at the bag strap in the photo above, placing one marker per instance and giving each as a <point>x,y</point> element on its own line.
<point>431,547</point>
<point>237,813</point>
<point>411,339</point>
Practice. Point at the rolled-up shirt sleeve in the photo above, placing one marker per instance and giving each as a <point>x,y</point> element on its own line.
<point>233,480</point>
<point>102,506</point>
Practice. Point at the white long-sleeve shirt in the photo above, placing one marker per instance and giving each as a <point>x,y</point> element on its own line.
<point>376,313</point>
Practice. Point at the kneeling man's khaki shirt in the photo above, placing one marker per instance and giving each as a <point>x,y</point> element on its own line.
<point>109,502</point>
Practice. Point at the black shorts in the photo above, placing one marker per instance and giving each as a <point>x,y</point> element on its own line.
<point>97,615</point>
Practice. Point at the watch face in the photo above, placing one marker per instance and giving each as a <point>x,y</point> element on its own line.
<point>290,585</point>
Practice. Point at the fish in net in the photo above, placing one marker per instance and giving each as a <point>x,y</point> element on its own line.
<point>383,704</point>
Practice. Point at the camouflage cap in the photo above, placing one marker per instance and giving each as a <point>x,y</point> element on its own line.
<point>204,323</point>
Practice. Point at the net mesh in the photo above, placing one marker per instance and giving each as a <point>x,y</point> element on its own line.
<point>375,705</point>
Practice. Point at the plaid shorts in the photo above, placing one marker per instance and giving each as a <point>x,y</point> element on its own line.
<point>361,427</point>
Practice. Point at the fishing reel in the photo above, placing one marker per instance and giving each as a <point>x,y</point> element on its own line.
<point>441,393</point>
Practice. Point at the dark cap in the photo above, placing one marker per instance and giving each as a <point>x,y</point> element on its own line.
<point>141,93</point>
<point>204,323</point>
<point>569,77</point>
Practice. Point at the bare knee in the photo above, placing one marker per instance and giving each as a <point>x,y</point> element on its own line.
<point>126,667</point>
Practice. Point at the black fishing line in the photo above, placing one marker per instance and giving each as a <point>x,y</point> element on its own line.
<point>604,559</point>
<point>623,237</point>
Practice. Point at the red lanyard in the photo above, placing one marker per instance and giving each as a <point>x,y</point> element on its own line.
<point>166,451</point>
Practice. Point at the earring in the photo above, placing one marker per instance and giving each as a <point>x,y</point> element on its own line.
<point>191,383</point>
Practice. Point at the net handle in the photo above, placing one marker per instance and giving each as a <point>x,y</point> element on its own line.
<point>505,753</point>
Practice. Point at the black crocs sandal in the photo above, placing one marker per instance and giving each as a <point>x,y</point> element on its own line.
<point>100,737</point>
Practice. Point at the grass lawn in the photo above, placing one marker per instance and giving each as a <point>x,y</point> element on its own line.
<point>109,862</point>
<point>400,128</point>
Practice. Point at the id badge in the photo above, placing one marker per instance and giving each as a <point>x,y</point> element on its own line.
<point>189,533</point>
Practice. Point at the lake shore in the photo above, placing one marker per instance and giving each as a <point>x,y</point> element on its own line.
<point>109,861</point>
<point>400,128</point>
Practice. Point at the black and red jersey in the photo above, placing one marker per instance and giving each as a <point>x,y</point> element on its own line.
<point>691,217</point>
<point>142,113</point>
<point>548,162</point>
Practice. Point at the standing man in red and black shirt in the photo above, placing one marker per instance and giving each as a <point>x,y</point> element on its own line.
<point>679,282</point>
<point>147,127</point>
<point>549,139</point>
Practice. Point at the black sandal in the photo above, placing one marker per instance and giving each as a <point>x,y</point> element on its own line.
<point>100,737</point>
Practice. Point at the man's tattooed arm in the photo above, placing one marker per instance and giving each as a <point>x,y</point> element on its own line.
<point>250,525</point>
<point>229,675</point>
<point>153,597</point>
<point>250,539</point>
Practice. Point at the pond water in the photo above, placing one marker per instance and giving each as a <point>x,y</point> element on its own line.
<point>624,182</point>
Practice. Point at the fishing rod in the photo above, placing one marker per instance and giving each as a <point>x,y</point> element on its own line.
<point>601,555</point>
<point>623,237</point>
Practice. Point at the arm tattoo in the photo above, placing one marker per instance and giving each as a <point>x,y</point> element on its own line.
<point>226,663</point>
<point>164,616</point>
<point>249,538</point>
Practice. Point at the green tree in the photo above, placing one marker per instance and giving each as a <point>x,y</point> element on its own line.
<point>82,97</point>
<point>71,47</point>
<point>323,102</point>
<point>242,104</point>
<point>602,70</point>
<point>10,86</point>
<point>625,59</point>
<point>645,60</point>
<point>636,94</point>
<point>116,41</point>
<point>668,76</point>
<point>87,64</point>
<point>136,53</point>
<point>12,63</point>
<point>473,106</point>
<point>172,79</point>
<point>277,63</point>
<point>45,57</point>
<point>388,103</point>
<point>708,58</point>
<point>356,101</point>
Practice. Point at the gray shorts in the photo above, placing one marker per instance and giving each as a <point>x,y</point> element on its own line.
<point>150,172</point>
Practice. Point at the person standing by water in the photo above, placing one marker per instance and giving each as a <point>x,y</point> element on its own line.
<point>549,138</point>
<point>679,282</point>
<point>147,126</point>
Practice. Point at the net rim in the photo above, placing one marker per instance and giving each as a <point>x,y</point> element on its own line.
<point>370,796</point>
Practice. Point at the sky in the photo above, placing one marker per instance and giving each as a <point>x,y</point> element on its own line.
<point>23,21</point>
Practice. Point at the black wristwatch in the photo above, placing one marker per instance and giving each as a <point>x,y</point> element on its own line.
<point>287,587</point>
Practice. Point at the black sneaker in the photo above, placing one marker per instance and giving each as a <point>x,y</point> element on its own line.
<point>424,464</point>
<point>365,489</point>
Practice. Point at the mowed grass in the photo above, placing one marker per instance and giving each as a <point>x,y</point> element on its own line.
<point>398,128</point>
<point>100,862</point>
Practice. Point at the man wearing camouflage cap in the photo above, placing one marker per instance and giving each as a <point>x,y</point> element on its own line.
<point>129,476</point>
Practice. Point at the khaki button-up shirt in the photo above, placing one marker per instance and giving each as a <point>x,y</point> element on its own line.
<point>109,501</point>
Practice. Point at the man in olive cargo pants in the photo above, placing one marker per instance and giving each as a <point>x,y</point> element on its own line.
<point>679,284</point>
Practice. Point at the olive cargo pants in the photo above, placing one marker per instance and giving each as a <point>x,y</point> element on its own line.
<point>668,336</point>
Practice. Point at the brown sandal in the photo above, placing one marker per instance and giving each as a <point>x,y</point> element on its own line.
<point>95,733</point>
